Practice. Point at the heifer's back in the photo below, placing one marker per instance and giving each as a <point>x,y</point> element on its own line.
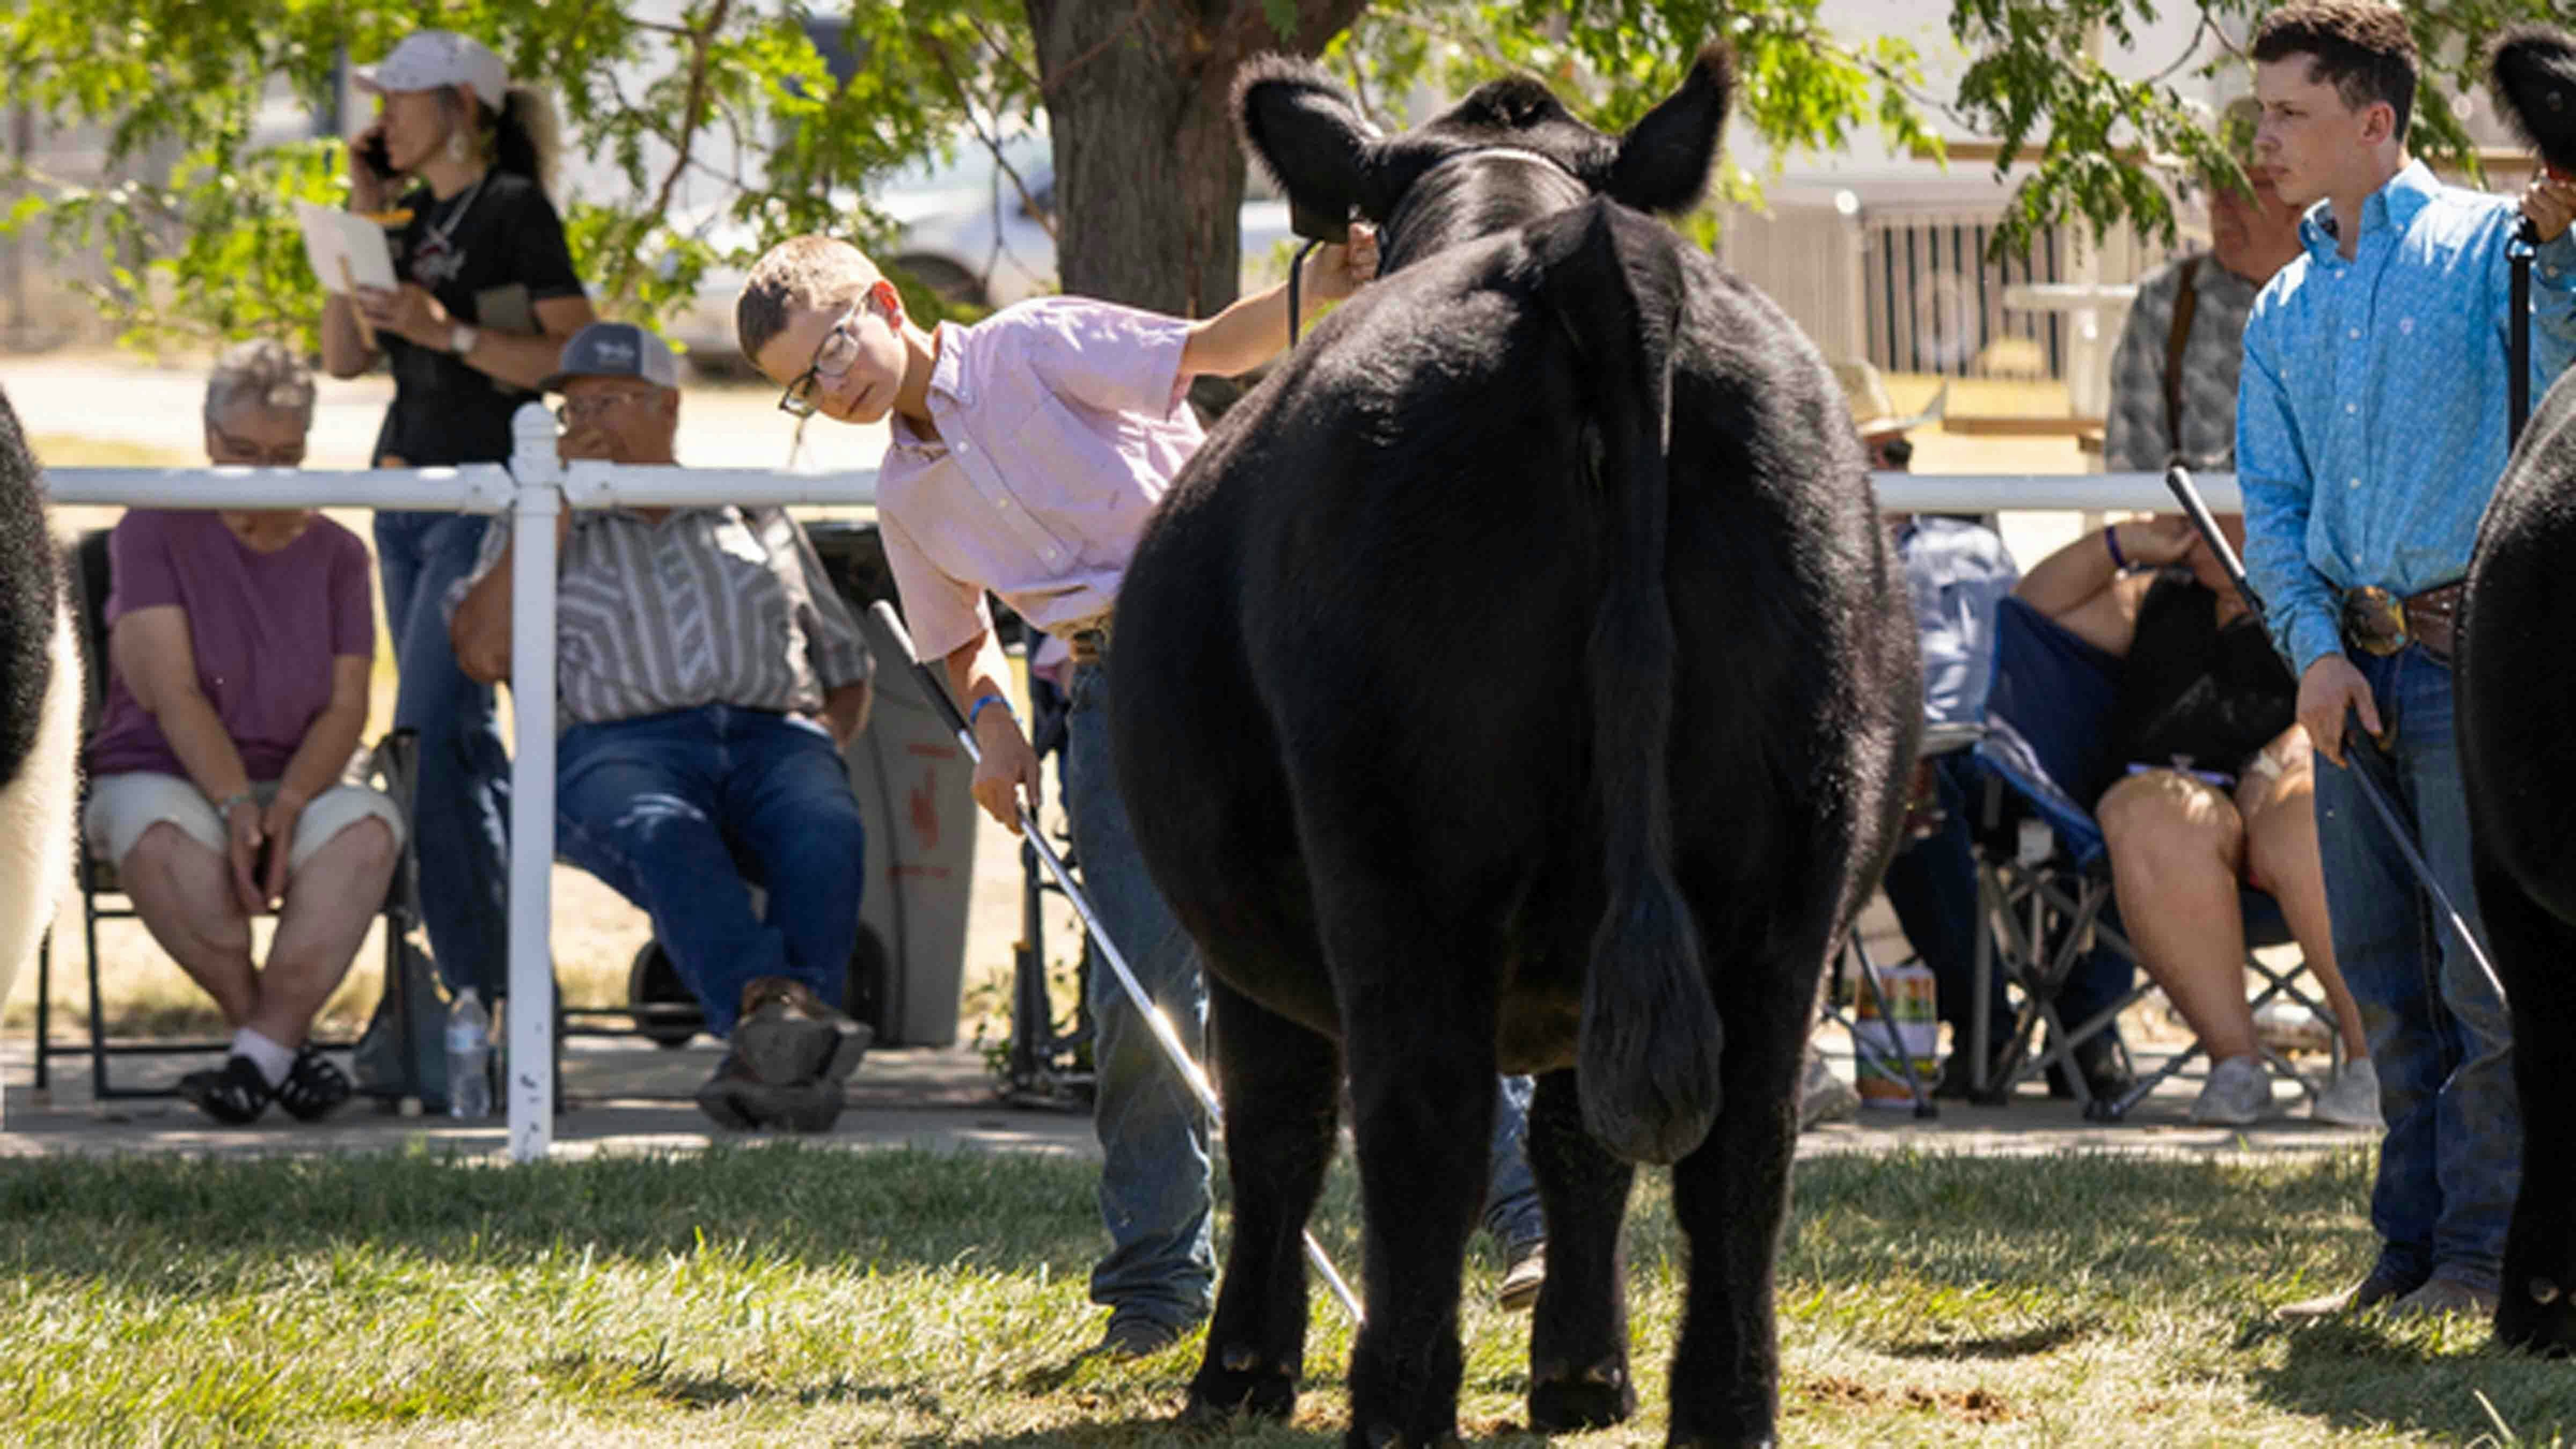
<point>40,696</point>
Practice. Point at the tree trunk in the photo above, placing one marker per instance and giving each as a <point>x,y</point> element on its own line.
<point>1148,171</point>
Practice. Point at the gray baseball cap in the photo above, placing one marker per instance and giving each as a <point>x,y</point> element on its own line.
<point>615,349</point>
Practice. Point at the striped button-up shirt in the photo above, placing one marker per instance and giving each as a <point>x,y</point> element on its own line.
<point>2370,416</point>
<point>708,606</point>
<point>2135,438</point>
<point>1061,425</point>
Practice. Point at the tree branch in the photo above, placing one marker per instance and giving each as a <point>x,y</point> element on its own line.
<point>692,116</point>
<point>991,143</point>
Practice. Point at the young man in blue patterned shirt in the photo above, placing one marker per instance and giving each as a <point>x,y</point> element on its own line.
<point>2370,432</point>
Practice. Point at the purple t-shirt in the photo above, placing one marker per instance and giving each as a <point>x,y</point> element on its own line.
<point>265,628</point>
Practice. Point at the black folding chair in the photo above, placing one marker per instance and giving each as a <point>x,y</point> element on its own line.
<point>2043,867</point>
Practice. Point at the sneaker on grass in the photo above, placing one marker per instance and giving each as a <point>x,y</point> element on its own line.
<point>2350,1097</point>
<point>2237,1094</point>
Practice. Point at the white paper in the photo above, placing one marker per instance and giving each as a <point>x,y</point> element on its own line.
<point>332,236</point>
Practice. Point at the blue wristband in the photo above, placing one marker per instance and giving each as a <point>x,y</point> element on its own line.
<point>2111,541</point>
<point>975,711</point>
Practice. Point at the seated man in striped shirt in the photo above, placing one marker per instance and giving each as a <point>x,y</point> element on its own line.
<point>707,675</point>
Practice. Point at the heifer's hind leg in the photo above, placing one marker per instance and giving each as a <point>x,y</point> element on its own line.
<point>1730,1198</point>
<point>1281,1086</point>
<point>1422,1100</point>
<point>2536,1297</point>
<point>1579,1375</point>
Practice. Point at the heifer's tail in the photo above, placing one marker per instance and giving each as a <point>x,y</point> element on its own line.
<point>1648,1061</point>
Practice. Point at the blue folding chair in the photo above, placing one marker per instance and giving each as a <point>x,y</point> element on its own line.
<point>2044,871</point>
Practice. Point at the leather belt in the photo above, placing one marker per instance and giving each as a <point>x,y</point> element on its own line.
<point>2379,622</point>
<point>1088,638</point>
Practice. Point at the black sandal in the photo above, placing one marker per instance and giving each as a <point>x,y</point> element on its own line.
<point>233,1094</point>
<point>313,1088</point>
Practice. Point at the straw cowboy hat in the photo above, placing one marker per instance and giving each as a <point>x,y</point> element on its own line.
<point>1873,412</point>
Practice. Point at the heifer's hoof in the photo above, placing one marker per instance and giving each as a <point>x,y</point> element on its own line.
<point>1234,1382</point>
<point>1598,1397</point>
<point>1703,1441</point>
<point>2537,1316</point>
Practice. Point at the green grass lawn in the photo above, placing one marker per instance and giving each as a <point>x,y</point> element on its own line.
<point>774,1294</point>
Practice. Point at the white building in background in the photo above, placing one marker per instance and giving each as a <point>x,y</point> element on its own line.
<point>1882,255</point>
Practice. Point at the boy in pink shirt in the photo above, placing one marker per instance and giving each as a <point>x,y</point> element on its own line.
<point>1028,452</point>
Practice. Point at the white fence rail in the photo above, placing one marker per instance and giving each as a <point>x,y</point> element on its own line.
<point>535,487</point>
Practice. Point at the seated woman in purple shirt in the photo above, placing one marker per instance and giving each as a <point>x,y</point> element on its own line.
<point>239,650</point>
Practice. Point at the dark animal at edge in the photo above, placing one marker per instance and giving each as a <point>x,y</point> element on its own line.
<point>40,708</point>
<point>1517,680</point>
<point>2516,692</point>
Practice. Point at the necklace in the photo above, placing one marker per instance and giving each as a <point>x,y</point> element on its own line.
<point>437,232</point>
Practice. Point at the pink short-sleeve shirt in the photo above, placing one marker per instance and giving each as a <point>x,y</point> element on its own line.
<point>1061,425</point>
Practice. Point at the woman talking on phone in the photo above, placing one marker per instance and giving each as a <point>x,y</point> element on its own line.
<point>459,158</point>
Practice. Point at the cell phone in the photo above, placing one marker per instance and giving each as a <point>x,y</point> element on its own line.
<point>377,158</point>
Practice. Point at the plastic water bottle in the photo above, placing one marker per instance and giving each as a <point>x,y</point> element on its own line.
<point>1911,1026</point>
<point>469,1057</point>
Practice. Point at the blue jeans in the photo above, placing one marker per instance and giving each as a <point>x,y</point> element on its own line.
<point>1512,1215</point>
<point>461,809</point>
<point>2439,1034</point>
<point>1154,1194</point>
<point>682,812</point>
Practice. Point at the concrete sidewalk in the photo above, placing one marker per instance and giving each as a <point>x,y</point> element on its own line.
<point>627,1096</point>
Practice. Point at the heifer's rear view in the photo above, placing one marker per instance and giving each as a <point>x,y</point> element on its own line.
<point>1517,680</point>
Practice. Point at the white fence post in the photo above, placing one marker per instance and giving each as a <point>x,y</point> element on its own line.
<point>531,1018</point>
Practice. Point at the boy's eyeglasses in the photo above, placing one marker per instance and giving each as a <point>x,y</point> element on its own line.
<point>241,453</point>
<point>836,354</point>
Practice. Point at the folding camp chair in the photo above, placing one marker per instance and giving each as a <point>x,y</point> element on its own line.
<point>390,767</point>
<point>2044,875</point>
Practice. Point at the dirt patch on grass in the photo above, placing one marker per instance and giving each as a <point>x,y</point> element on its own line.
<point>1832,1392</point>
<point>1975,1406</point>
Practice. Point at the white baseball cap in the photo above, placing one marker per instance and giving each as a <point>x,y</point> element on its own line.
<point>429,59</point>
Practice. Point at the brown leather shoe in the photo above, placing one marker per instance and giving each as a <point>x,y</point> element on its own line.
<point>2441,1295</point>
<point>788,1036</point>
<point>1518,1292</point>
<point>2370,1292</point>
<point>740,1101</point>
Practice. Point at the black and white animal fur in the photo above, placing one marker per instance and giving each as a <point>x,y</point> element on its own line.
<point>40,709</point>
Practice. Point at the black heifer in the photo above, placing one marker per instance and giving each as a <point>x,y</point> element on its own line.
<point>40,703</point>
<point>1517,679</point>
<point>2517,694</point>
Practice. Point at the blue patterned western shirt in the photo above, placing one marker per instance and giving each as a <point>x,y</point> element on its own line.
<point>2370,413</point>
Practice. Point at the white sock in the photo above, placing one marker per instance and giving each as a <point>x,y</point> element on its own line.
<point>273,1061</point>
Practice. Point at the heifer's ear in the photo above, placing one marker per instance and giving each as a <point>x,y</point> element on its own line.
<point>1665,158</point>
<point>1304,131</point>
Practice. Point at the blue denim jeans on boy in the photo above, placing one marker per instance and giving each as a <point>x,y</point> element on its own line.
<point>682,812</point>
<point>1154,1193</point>
<point>2439,1034</point>
<point>461,809</point>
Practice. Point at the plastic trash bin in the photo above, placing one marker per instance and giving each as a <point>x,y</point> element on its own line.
<point>912,780</point>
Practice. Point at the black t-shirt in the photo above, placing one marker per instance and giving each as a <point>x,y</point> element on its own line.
<point>489,256</point>
<point>2193,692</point>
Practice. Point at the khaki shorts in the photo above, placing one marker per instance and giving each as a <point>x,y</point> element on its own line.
<point>122,807</point>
